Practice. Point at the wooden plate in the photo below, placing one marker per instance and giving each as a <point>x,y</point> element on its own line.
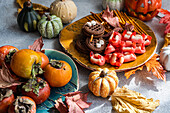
<point>73,31</point>
<point>72,86</point>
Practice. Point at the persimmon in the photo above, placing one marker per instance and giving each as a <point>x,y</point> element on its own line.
<point>26,63</point>
<point>7,97</point>
<point>58,73</point>
<point>44,59</point>
<point>37,88</point>
<point>22,104</point>
<point>6,52</point>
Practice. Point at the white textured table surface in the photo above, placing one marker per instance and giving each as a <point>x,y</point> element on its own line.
<point>143,81</point>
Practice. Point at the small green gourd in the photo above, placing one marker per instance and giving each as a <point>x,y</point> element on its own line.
<point>50,26</point>
<point>28,18</point>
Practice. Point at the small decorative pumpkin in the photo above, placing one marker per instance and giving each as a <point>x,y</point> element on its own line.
<point>65,9</point>
<point>28,18</point>
<point>50,26</point>
<point>165,57</point>
<point>103,82</point>
<point>113,4</point>
<point>143,9</point>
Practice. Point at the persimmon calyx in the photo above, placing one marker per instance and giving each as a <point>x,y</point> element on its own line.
<point>56,64</point>
<point>22,105</point>
<point>9,56</point>
<point>34,85</point>
<point>36,69</point>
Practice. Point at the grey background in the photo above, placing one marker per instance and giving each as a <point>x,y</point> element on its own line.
<point>143,81</point>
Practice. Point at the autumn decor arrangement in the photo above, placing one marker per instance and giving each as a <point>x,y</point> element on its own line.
<point>143,9</point>
<point>50,26</point>
<point>31,78</point>
<point>65,9</point>
<point>103,82</point>
<point>28,18</point>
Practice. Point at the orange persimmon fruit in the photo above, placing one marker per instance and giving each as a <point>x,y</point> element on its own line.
<point>57,73</point>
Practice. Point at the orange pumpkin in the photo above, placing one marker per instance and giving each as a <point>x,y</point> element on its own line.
<point>57,73</point>
<point>103,82</point>
<point>143,9</point>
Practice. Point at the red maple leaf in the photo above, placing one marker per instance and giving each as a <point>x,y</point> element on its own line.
<point>165,19</point>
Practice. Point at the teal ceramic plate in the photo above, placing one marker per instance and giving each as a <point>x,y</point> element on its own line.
<point>72,86</point>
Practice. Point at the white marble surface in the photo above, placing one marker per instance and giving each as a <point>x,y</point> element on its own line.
<point>143,81</point>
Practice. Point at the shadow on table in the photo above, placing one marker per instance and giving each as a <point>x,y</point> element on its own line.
<point>143,78</point>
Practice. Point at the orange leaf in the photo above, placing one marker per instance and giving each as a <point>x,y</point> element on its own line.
<point>156,68</point>
<point>37,7</point>
<point>130,72</point>
<point>167,40</point>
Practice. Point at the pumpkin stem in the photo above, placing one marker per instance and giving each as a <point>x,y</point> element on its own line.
<point>56,64</point>
<point>103,74</point>
<point>48,17</point>
<point>29,3</point>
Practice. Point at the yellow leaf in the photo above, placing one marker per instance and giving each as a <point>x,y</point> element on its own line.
<point>156,68</point>
<point>21,2</point>
<point>167,40</point>
<point>128,101</point>
<point>41,9</point>
<point>132,71</point>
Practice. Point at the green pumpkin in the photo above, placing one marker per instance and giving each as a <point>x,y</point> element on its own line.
<point>28,18</point>
<point>50,26</point>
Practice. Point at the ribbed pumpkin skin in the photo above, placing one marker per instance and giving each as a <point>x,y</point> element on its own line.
<point>145,10</point>
<point>103,86</point>
<point>113,4</point>
<point>65,9</point>
<point>50,28</point>
<point>28,19</point>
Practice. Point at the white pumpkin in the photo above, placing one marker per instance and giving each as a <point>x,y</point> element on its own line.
<point>165,57</point>
<point>65,9</point>
<point>113,4</point>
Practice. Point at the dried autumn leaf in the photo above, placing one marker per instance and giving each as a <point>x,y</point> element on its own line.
<point>109,18</point>
<point>41,9</point>
<point>132,71</point>
<point>167,40</point>
<point>75,101</point>
<point>61,107</point>
<point>152,65</point>
<point>129,101</point>
<point>165,19</point>
<point>156,68</point>
<point>37,45</point>
<point>6,79</point>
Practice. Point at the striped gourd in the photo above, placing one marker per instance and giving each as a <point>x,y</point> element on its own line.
<point>50,26</point>
<point>103,82</point>
<point>28,18</point>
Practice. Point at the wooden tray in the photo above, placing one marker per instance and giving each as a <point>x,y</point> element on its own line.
<point>73,31</point>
